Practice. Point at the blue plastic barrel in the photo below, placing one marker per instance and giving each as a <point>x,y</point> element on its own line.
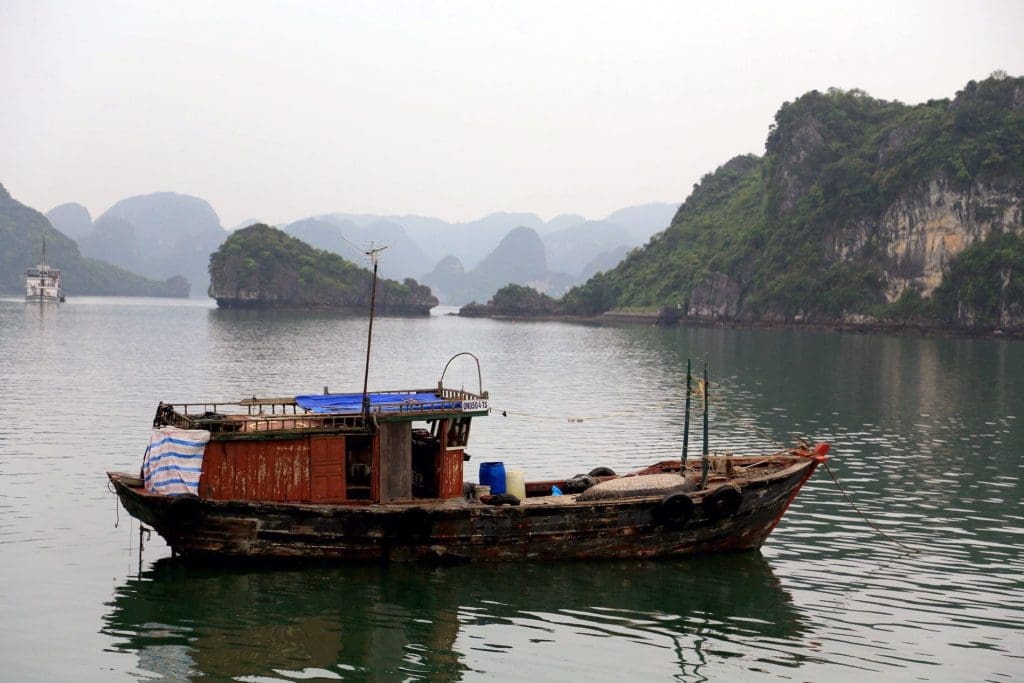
<point>493,474</point>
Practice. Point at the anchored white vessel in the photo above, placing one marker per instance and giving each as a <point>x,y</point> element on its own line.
<point>42,283</point>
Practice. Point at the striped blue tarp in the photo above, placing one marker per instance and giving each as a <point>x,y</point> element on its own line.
<point>174,460</point>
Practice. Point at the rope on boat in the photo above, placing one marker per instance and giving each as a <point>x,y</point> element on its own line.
<point>117,507</point>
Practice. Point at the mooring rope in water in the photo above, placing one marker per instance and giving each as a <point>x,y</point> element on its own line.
<point>863,516</point>
<point>835,480</point>
<point>697,391</point>
<point>506,412</point>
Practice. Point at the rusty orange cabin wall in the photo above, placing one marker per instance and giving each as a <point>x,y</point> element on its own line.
<point>326,468</point>
<point>275,470</point>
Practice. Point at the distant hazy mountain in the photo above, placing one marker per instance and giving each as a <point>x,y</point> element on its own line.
<point>114,240</point>
<point>519,258</point>
<point>22,230</point>
<point>71,219</point>
<point>161,218</point>
<point>470,241</point>
<point>173,234</point>
<point>604,261</point>
<point>644,220</point>
<point>562,221</point>
<point>448,281</point>
<point>403,257</point>
<point>569,250</point>
<point>416,242</point>
<point>326,234</point>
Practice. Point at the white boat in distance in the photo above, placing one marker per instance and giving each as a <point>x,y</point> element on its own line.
<point>42,283</point>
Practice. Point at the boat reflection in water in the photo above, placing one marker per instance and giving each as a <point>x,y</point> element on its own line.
<point>383,622</point>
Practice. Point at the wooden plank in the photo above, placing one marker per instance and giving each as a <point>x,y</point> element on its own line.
<point>395,472</point>
<point>449,475</point>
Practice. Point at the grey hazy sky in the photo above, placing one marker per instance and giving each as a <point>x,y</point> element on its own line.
<point>277,110</point>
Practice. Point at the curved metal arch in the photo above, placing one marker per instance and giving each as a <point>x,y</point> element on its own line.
<point>479,376</point>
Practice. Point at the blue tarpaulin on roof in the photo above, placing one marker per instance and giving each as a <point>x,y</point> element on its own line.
<point>353,403</point>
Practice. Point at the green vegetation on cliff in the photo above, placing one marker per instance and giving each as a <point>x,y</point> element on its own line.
<point>261,266</point>
<point>514,300</point>
<point>812,230</point>
<point>985,285</point>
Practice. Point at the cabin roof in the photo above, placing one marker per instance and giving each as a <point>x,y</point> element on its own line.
<point>322,411</point>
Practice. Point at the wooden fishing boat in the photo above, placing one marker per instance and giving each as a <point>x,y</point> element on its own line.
<point>380,477</point>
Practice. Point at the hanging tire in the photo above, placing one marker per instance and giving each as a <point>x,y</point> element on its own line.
<point>675,509</point>
<point>724,502</point>
<point>187,509</point>
<point>578,484</point>
<point>500,499</point>
<point>602,472</point>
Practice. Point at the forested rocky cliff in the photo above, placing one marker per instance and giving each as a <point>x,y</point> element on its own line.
<point>861,211</point>
<point>262,267</point>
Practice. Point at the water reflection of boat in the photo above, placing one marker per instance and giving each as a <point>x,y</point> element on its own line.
<point>186,621</point>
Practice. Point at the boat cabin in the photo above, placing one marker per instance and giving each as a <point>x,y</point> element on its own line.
<point>42,283</point>
<point>333,448</point>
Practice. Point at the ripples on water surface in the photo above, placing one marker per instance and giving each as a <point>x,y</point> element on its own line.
<point>926,437</point>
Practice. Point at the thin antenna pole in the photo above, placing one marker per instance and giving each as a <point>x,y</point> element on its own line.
<point>686,420</point>
<point>372,253</point>
<point>705,463</point>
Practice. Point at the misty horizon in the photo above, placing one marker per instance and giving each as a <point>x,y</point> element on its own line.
<point>456,110</point>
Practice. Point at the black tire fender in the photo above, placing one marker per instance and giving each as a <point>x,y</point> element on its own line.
<point>675,508</point>
<point>500,499</point>
<point>723,502</point>
<point>187,508</point>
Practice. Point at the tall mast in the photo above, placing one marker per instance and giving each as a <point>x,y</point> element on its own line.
<point>686,420</point>
<point>372,254</point>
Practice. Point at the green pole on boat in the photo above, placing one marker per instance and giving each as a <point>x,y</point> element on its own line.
<point>686,419</point>
<point>705,463</point>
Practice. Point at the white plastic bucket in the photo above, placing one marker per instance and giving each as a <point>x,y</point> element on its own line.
<point>515,483</point>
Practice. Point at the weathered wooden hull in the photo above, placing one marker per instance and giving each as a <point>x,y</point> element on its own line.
<point>555,528</point>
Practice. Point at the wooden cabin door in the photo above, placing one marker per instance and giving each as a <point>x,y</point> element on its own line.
<point>327,469</point>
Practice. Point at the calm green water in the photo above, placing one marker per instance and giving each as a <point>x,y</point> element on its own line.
<point>927,438</point>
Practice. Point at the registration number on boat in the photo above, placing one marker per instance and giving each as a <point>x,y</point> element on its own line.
<point>473,406</point>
